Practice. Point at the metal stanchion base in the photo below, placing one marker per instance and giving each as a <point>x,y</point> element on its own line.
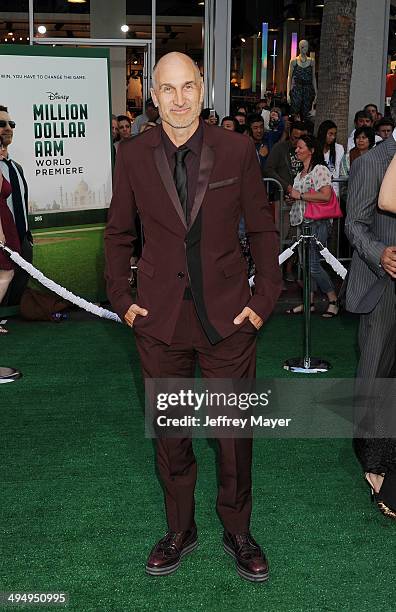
<point>9,375</point>
<point>299,365</point>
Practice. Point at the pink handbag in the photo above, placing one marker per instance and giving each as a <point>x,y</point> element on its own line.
<point>323,210</point>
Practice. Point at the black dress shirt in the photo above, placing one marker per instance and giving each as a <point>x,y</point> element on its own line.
<point>192,161</point>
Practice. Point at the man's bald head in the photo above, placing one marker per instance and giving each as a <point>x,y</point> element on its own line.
<point>177,90</point>
<point>175,59</point>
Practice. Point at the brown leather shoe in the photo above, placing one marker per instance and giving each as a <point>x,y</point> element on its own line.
<point>168,553</point>
<point>250,560</point>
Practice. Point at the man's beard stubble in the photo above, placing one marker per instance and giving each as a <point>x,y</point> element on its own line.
<point>6,139</point>
<point>180,127</point>
<point>188,121</point>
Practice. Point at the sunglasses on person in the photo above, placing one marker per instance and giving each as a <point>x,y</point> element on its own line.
<point>3,123</point>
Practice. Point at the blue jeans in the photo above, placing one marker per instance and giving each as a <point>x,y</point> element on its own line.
<point>319,276</point>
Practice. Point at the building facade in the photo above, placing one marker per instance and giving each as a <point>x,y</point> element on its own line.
<point>243,48</point>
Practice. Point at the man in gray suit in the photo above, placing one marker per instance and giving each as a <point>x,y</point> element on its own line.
<point>371,287</point>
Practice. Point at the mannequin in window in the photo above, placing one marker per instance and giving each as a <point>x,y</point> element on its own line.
<point>301,82</point>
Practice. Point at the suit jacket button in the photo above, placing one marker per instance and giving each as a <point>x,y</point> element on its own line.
<point>180,275</point>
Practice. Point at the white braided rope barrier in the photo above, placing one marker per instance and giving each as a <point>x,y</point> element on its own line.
<point>327,256</point>
<point>333,261</point>
<point>112,316</point>
<point>58,289</point>
<point>288,252</point>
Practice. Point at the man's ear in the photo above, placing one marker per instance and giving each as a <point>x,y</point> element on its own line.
<point>201,97</point>
<point>153,97</point>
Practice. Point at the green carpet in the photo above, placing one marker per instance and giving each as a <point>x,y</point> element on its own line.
<point>81,506</point>
<point>55,248</point>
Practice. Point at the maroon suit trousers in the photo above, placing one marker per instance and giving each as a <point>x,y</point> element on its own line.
<point>233,357</point>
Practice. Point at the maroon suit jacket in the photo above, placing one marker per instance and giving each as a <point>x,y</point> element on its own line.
<point>229,186</point>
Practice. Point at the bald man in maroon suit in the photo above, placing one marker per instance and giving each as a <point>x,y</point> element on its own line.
<point>190,184</point>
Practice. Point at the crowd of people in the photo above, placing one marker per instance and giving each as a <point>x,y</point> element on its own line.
<point>268,124</point>
<point>290,153</point>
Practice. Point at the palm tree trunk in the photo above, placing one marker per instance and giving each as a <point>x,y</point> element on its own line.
<point>336,59</point>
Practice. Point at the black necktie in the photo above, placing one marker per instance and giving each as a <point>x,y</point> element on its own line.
<point>17,201</point>
<point>180,178</point>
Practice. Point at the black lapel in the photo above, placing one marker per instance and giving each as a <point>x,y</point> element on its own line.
<point>167,179</point>
<point>205,169</point>
<point>20,170</point>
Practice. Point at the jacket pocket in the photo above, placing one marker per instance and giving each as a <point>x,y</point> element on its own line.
<point>224,183</point>
<point>145,267</point>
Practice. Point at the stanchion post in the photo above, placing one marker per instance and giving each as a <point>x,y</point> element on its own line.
<point>307,364</point>
<point>307,234</point>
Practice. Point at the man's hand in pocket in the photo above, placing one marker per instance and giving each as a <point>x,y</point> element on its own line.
<point>133,312</point>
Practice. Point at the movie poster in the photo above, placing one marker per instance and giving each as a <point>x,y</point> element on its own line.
<point>59,99</point>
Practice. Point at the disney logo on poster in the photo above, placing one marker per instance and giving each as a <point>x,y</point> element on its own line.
<point>57,96</point>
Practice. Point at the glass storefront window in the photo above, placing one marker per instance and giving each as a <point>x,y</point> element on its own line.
<point>14,22</point>
<point>180,27</point>
<point>62,19</point>
<point>264,52</point>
